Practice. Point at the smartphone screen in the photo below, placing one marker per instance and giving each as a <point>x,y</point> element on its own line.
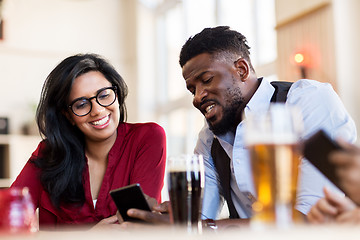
<point>128,197</point>
<point>317,149</point>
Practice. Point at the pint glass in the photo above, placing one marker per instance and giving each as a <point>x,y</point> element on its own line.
<point>272,138</point>
<point>185,185</point>
<point>17,213</point>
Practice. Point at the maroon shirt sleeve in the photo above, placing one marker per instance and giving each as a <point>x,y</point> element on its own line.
<point>30,177</point>
<point>139,156</point>
<point>149,166</point>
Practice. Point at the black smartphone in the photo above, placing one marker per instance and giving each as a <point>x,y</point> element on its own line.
<point>127,197</point>
<point>317,149</point>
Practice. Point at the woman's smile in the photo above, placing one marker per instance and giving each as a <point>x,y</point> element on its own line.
<point>101,123</point>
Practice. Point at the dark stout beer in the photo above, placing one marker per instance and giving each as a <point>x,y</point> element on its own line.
<point>185,194</point>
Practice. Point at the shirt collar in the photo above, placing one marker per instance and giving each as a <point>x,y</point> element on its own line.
<point>260,101</point>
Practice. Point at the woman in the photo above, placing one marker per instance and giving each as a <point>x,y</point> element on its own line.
<point>88,149</point>
<point>335,208</point>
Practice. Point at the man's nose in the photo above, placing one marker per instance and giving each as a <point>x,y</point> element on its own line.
<point>200,95</point>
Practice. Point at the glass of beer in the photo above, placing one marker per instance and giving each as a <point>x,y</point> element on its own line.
<point>17,213</point>
<point>272,137</point>
<point>185,185</point>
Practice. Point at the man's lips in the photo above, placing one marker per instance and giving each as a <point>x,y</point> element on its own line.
<point>208,108</point>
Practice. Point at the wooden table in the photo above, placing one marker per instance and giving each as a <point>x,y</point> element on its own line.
<point>328,232</point>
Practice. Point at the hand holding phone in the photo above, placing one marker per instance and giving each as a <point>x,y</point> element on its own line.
<point>317,149</point>
<point>127,197</point>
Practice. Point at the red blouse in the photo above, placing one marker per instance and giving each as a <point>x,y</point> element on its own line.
<point>138,156</point>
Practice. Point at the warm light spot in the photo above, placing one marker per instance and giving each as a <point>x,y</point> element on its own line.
<point>299,58</point>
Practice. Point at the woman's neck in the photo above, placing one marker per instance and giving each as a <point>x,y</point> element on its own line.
<point>99,150</point>
<point>97,156</point>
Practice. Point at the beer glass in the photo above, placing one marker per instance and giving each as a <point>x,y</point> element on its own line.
<point>272,138</point>
<point>17,213</point>
<point>185,185</point>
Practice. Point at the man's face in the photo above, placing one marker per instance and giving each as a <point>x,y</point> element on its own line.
<point>215,85</point>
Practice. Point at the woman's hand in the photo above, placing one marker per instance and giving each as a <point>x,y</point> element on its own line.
<point>347,163</point>
<point>352,217</point>
<point>328,209</point>
<point>110,222</point>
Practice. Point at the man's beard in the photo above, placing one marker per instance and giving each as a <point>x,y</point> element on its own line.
<point>231,111</point>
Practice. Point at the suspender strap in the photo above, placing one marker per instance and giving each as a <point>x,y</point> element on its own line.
<point>222,160</point>
<point>281,91</point>
<point>222,165</point>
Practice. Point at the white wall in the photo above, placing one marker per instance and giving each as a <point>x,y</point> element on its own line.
<point>286,9</point>
<point>38,34</point>
<point>344,54</point>
<point>347,42</point>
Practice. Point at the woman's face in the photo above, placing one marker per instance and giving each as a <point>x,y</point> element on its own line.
<point>101,122</point>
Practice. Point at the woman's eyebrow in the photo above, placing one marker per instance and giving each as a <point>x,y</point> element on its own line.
<point>97,92</point>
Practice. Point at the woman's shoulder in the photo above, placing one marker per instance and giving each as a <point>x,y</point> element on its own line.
<point>142,128</point>
<point>39,151</point>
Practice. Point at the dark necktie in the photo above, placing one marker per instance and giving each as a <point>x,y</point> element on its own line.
<point>222,165</point>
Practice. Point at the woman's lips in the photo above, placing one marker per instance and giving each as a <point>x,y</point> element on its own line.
<point>101,122</point>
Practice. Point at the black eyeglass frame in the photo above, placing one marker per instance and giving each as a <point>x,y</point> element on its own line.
<point>114,88</point>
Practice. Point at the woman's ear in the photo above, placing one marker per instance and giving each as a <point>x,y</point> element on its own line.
<point>243,69</point>
<point>68,116</point>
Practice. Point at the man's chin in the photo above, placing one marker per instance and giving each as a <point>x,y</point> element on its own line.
<point>218,129</point>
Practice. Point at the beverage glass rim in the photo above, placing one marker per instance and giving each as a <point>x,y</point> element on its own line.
<point>271,127</point>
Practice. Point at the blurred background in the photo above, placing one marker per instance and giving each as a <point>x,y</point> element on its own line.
<point>290,39</point>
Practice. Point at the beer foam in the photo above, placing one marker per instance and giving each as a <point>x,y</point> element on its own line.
<point>185,162</point>
<point>271,139</point>
<point>177,168</point>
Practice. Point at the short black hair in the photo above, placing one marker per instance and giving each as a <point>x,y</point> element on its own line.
<point>215,40</point>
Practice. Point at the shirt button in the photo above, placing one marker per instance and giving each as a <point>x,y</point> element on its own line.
<point>250,197</point>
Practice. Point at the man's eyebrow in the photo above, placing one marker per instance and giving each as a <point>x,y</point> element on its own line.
<point>200,75</point>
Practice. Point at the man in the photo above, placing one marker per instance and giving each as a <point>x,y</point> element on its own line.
<point>218,72</point>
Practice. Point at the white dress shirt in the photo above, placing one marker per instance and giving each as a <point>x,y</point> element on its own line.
<point>321,109</point>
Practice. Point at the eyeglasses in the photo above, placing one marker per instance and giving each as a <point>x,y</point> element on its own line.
<point>83,106</point>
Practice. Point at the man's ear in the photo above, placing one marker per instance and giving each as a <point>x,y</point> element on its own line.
<point>242,68</point>
<point>68,116</point>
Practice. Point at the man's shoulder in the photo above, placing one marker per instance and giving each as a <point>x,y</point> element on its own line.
<point>310,84</point>
<point>306,88</point>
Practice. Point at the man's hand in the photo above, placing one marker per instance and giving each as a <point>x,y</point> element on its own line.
<point>159,214</point>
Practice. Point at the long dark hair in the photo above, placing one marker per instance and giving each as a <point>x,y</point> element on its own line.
<point>63,159</point>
